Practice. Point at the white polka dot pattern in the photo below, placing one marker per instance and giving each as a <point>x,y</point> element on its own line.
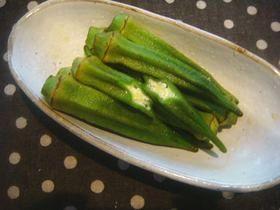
<point>21,122</point>
<point>2,3</point>
<point>70,162</point>
<point>137,202</point>
<point>261,44</point>
<point>5,56</point>
<point>228,24</point>
<point>169,1</point>
<point>31,5</point>
<point>123,165</point>
<point>14,158</point>
<point>97,186</point>
<point>13,192</point>
<point>45,140</point>
<point>47,186</point>
<point>275,26</point>
<point>201,4</point>
<point>9,89</point>
<point>251,10</point>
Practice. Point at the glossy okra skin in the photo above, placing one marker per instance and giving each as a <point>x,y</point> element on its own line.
<point>138,33</point>
<point>229,121</point>
<point>112,47</point>
<point>65,94</point>
<point>90,39</point>
<point>91,71</point>
<point>177,110</point>
<point>88,49</point>
<point>225,118</point>
<point>207,106</point>
<point>210,120</point>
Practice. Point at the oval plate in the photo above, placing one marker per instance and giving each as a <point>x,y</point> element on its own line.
<point>52,35</point>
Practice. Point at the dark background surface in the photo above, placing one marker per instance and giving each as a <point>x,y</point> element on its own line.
<point>72,187</point>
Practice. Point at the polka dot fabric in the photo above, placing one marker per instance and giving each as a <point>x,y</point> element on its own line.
<point>43,166</point>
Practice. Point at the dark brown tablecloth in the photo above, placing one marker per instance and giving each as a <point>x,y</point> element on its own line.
<point>43,166</point>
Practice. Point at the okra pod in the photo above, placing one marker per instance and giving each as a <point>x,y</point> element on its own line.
<point>230,120</point>
<point>138,33</point>
<point>212,123</point>
<point>66,94</point>
<point>90,39</point>
<point>201,144</point>
<point>179,127</point>
<point>210,120</point>
<point>161,74</point>
<point>178,110</point>
<point>111,47</point>
<point>207,106</point>
<point>91,71</point>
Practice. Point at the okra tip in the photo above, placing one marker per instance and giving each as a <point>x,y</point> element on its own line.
<point>239,112</point>
<point>193,149</point>
<point>219,144</point>
<point>221,147</point>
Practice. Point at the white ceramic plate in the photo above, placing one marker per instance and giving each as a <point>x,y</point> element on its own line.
<point>52,35</point>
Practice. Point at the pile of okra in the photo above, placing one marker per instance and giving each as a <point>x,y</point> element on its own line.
<point>135,84</point>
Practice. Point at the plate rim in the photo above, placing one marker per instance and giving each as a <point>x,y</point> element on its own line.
<point>116,151</point>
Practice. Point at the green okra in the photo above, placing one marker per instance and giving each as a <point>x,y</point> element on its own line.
<point>225,118</point>
<point>207,106</point>
<point>91,71</point>
<point>87,51</point>
<point>112,47</point>
<point>90,39</point>
<point>178,111</point>
<point>201,144</point>
<point>177,125</point>
<point>138,33</point>
<point>66,94</point>
<point>180,82</point>
<point>229,121</point>
<point>211,121</point>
